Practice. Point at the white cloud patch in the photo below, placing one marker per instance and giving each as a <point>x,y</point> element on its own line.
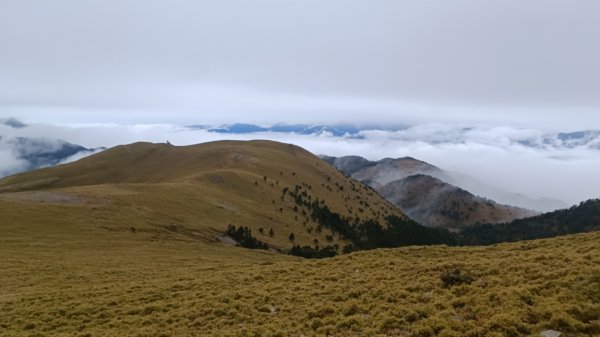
<point>8,162</point>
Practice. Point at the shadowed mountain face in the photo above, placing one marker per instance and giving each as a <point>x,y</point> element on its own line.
<point>434,203</point>
<point>420,190</point>
<point>385,171</point>
<point>43,152</point>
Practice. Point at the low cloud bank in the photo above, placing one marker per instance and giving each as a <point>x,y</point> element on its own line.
<point>531,162</point>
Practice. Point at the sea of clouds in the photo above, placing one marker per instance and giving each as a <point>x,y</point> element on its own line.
<point>532,162</point>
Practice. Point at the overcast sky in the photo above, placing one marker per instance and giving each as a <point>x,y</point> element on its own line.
<point>529,63</point>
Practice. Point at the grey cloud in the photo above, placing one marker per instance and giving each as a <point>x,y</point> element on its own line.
<point>9,163</point>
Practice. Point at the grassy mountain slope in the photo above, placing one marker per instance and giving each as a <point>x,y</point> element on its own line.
<point>434,203</point>
<point>152,188</point>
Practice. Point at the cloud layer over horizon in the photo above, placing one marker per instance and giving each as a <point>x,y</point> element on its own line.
<point>531,162</point>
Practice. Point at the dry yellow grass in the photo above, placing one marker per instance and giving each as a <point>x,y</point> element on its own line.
<point>124,285</point>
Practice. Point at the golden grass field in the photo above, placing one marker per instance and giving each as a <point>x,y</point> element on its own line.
<point>126,286</point>
<point>108,246</point>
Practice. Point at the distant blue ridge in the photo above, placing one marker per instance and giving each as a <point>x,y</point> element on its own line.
<point>13,122</point>
<point>568,139</point>
<point>574,135</point>
<point>303,129</point>
<point>239,128</point>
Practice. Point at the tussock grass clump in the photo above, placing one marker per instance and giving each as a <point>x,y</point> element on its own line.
<point>456,276</point>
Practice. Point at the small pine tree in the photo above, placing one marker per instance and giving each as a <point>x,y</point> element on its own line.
<point>292,237</point>
<point>271,232</point>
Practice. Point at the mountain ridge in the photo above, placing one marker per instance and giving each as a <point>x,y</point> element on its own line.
<point>258,186</point>
<point>435,203</point>
<point>422,191</point>
<point>540,140</point>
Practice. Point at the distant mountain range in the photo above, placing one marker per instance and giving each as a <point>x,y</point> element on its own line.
<point>422,191</point>
<point>380,173</point>
<point>302,129</point>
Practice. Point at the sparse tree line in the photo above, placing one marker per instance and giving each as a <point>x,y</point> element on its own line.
<point>398,232</point>
<point>366,235</point>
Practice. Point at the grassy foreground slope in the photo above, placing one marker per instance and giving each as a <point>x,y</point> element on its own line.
<point>120,287</point>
